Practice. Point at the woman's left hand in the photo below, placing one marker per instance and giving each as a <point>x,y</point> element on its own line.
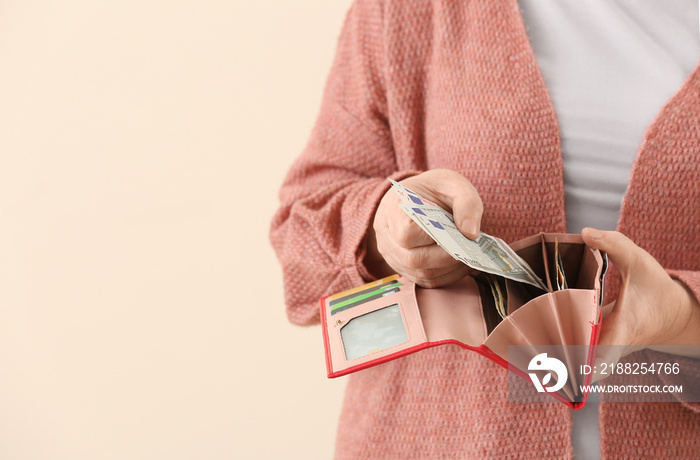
<point>652,309</point>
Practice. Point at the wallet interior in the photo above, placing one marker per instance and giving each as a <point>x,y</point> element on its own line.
<point>537,321</point>
<point>395,316</point>
<point>460,311</point>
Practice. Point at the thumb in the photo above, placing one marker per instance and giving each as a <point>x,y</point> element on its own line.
<point>458,194</point>
<point>467,210</point>
<point>615,340</point>
<point>620,249</point>
<point>611,334</point>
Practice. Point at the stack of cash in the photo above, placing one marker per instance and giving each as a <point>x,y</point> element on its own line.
<point>487,253</point>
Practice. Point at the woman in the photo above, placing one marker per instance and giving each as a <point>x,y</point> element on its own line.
<point>449,98</point>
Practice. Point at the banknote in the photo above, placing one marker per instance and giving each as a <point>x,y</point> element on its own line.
<point>498,293</point>
<point>486,253</point>
<point>492,294</point>
<point>561,276</point>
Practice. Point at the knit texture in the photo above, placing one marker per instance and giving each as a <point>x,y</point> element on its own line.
<point>444,84</point>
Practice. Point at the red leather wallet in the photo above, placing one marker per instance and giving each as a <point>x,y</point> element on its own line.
<point>391,318</point>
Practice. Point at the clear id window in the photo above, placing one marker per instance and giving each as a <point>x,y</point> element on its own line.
<point>373,332</point>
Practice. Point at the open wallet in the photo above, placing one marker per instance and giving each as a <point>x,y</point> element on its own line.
<point>392,317</point>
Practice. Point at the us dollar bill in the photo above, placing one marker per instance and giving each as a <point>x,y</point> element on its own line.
<point>486,253</point>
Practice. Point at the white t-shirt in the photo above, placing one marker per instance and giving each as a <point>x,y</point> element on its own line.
<point>610,66</point>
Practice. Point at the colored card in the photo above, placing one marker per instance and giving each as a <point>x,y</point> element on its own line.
<point>374,284</point>
<point>366,297</point>
<point>368,289</point>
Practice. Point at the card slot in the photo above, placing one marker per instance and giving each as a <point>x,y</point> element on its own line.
<point>403,296</point>
<point>333,298</point>
<point>373,332</point>
<point>591,269</point>
<point>357,353</point>
<point>489,311</point>
<point>518,295</point>
<point>582,264</point>
<point>530,250</point>
<point>545,262</point>
<point>571,253</point>
<point>345,318</point>
<point>367,294</point>
<point>363,292</point>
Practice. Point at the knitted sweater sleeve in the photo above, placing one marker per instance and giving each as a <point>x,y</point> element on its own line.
<point>329,196</point>
<point>689,375</point>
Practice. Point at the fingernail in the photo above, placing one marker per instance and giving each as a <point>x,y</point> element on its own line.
<point>470,226</point>
<point>593,233</point>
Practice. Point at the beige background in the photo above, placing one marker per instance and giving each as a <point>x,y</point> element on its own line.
<point>142,144</point>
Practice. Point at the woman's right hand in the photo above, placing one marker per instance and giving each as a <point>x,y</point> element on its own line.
<point>396,244</point>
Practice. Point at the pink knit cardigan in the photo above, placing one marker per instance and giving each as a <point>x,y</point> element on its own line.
<point>418,85</point>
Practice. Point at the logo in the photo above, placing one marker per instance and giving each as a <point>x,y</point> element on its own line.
<point>542,363</point>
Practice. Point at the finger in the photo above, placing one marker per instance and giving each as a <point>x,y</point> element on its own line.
<point>620,249</point>
<point>427,278</point>
<point>458,194</point>
<point>398,265</point>
<point>425,263</point>
<point>426,257</point>
<point>406,233</point>
<point>443,280</point>
<point>468,210</point>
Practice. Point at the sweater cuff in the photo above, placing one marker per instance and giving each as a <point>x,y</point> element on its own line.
<point>366,217</point>
<point>690,278</point>
<point>689,375</point>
